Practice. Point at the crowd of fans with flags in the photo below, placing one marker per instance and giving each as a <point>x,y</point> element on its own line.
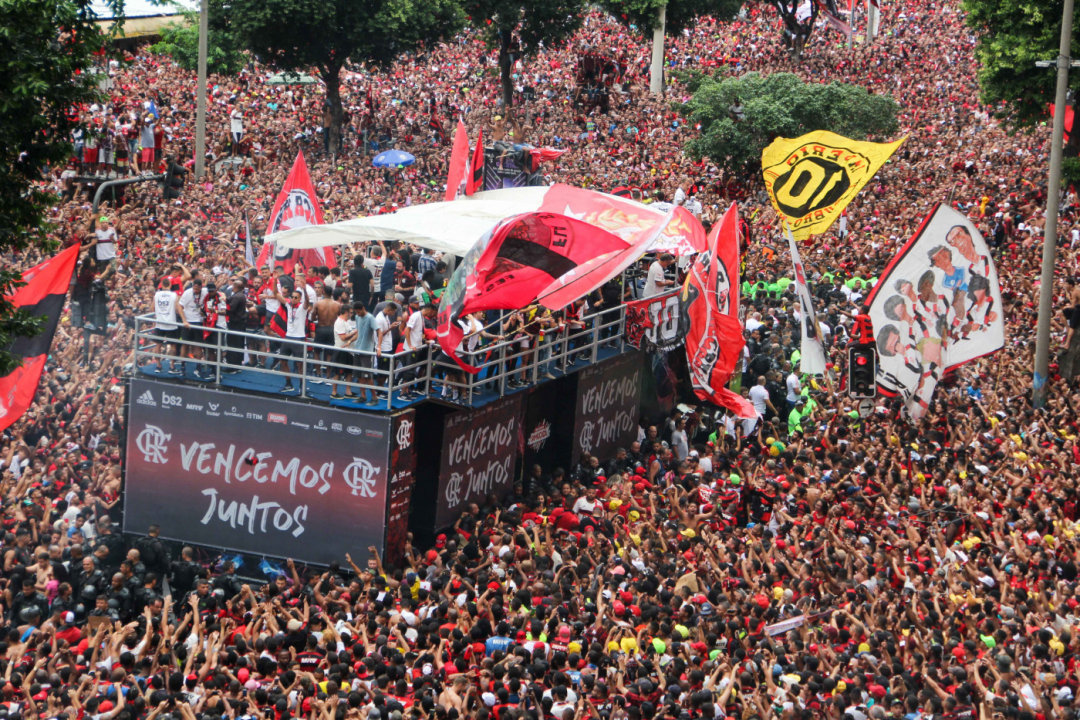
<point>810,564</point>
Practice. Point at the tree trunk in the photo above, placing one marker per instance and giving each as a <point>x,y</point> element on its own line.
<point>332,77</point>
<point>505,67</point>
<point>656,71</point>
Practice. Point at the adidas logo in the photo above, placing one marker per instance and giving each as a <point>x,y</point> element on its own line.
<point>147,398</point>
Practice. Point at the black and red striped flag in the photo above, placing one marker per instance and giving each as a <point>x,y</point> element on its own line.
<point>474,182</point>
<point>43,296</point>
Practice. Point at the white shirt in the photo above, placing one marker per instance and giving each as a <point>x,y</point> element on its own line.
<point>382,324</point>
<point>758,396</point>
<point>342,327</point>
<point>793,387</point>
<point>656,275</point>
<point>236,120</point>
<point>296,325</point>
<point>272,305</point>
<point>584,506</point>
<point>192,308</point>
<point>680,196</point>
<point>470,325</point>
<point>414,331</point>
<point>106,243</point>
<point>680,444</point>
<point>375,265</point>
<point>165,309</point>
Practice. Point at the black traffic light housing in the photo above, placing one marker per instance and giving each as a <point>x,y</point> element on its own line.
<point>862,371</point>
<point>173,182</point>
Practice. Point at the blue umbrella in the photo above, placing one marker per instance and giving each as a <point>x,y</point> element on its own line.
<point>393,158</point>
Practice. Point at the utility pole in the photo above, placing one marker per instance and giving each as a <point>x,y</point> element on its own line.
<point>656,72</point>
<point>1053,193</point>
<point>200,93</point>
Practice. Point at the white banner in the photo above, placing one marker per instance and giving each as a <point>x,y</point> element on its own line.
<point>936,307</point>
<point>812,353</point>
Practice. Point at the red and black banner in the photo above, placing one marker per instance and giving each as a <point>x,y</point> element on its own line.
<point>475,179</point>
<point>608,399</point>
<point>402,478</point>
<point>259,475</point>
<point>43,297</point>
<point>459,158</point>
<point>480,453</point>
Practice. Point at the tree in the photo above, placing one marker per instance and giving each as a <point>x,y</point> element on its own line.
<point>520,27</point>
<point>739,117</point>
<point>644,15</point>
<point>49,48</point>
<point>324,34</point>
<point>1013,35</point>
<point>181,41</point>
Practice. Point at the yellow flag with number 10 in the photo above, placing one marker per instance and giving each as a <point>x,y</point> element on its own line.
<point>812,179</point>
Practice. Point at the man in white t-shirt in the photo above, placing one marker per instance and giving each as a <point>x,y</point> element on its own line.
<point>296,314</point>
<point>236,128</point>
<point>344,336</point>
<point>415,345</point>
<point>165,305</point>
<point>759,396</point>
<point>191,307</point>
<point>105,239</point>
<point>384,341</point>
<point>794,387</point>
<point>655,282</point>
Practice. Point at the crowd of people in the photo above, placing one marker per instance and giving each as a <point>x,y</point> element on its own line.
<point>811,564</point>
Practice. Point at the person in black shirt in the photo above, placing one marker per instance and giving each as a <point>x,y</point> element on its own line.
<point>185,570</point>
<point>236,314</point>
<point>361,280</point>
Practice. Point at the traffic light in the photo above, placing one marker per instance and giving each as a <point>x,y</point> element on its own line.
<point>862,371</point>
<point>174,180</point>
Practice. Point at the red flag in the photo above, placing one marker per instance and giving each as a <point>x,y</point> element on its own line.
<point>543,154</point>
<point>1068,119</point>
<point>587,277</point>
<point>297,206</point>
<point>512,263</point>
<point>43,296</point>
<point>711,295</point>
<point>475,178</point>
<point>459,156</point>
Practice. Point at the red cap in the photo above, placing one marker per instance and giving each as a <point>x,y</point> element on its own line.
<point>619,608</point>
<point>440,541</point>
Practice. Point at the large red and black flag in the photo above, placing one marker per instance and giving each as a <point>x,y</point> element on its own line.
<point>43,297</point>
<point>475,176</point>
<point>509,266</point>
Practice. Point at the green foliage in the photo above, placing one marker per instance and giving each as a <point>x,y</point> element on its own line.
<point>680,14</point>
<point>532,21</point>
<point>779,105</point>
<point>47,50</point>
<point>1070,171</point>
<point>181,41</point>
<point>691,79</point>
<point>1013,35</point>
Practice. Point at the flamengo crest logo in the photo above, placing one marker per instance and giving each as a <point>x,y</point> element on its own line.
<point>360,476</point>
<point>151,443</point>
<point>404,434</point>
<point>539,436</point>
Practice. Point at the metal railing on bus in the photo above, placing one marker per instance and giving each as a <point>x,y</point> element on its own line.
<point>504,365</point>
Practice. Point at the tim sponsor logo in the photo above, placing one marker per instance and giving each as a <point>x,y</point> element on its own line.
<point>254,416</point>
<point>277,418</point>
